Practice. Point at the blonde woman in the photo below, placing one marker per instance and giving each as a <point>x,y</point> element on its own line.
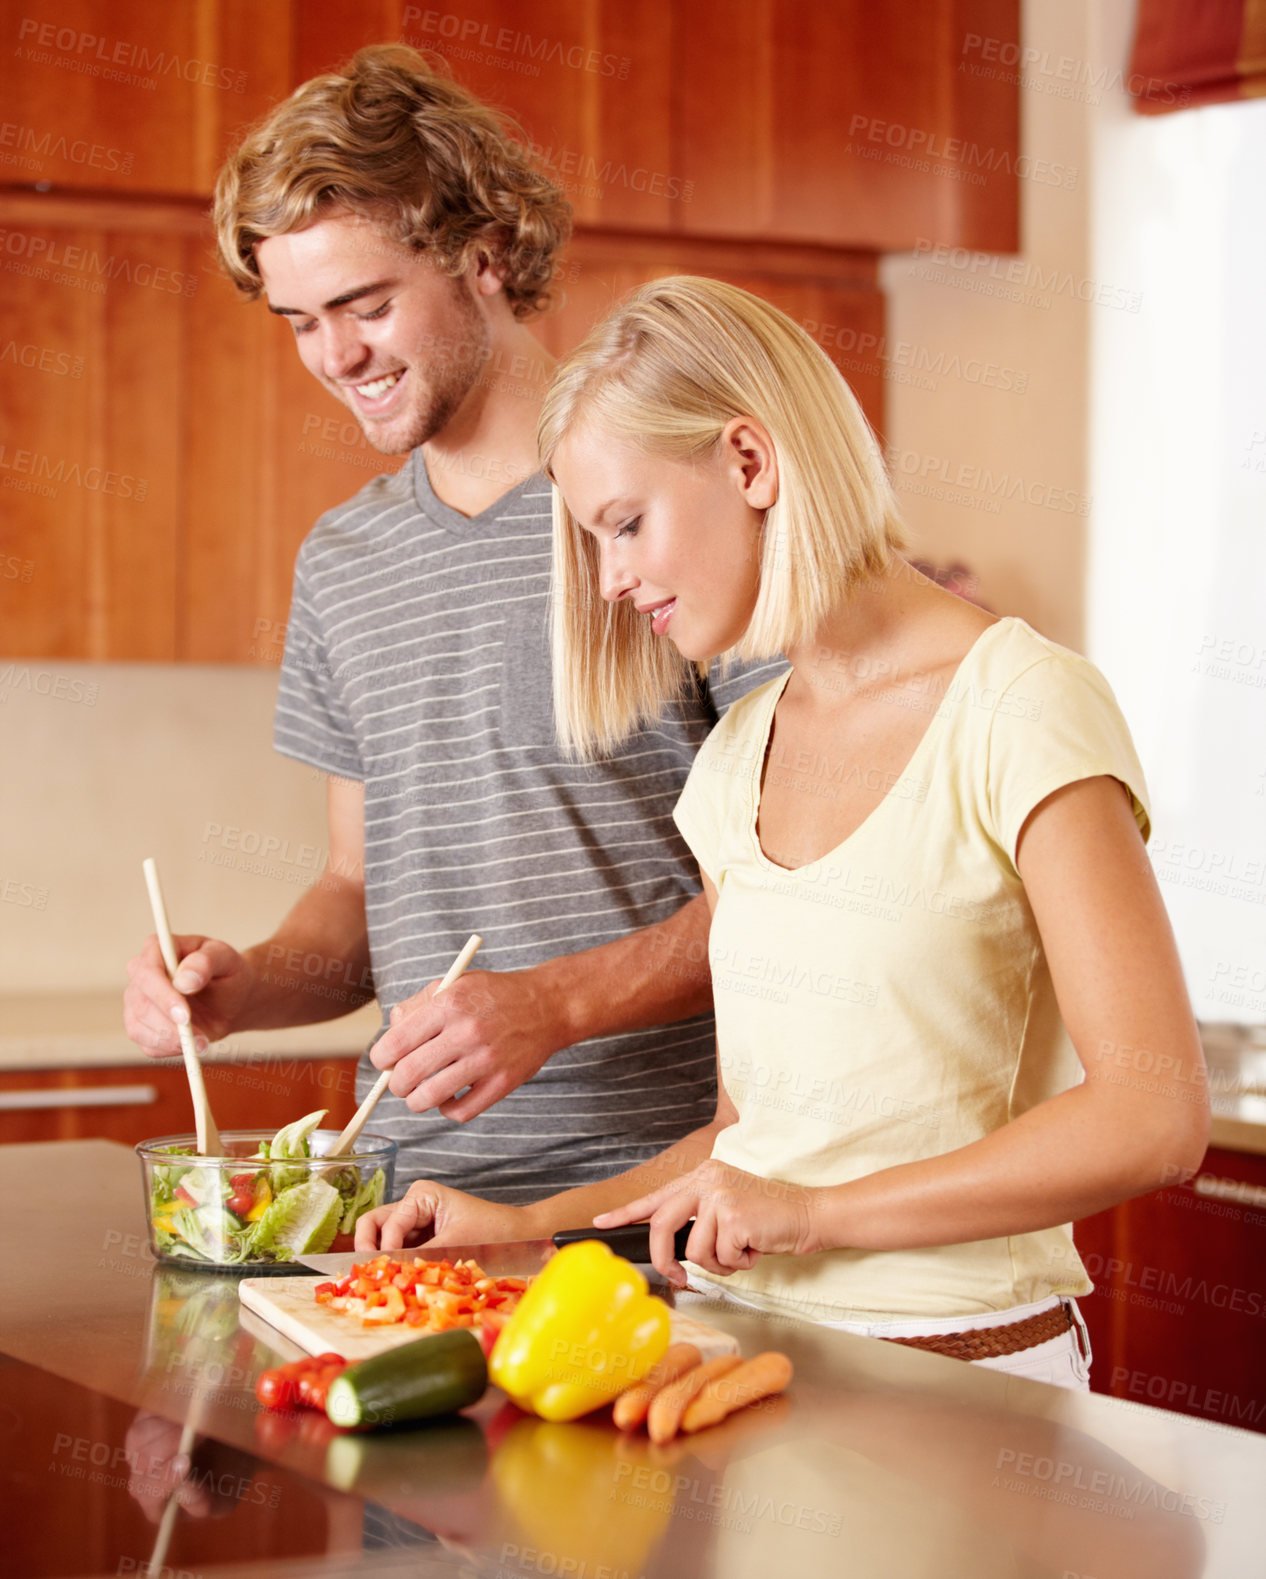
<point>922,846</point>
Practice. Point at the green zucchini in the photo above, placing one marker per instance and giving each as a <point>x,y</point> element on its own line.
<point>437,1375</point>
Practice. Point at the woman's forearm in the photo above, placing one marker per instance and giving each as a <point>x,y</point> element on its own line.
<point>1076,1154</point>
<point>577,1208</point>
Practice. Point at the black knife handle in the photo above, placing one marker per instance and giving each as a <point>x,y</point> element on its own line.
<point>633,1241</point>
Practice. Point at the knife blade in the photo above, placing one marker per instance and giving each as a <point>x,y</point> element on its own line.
<point>513,1258</point>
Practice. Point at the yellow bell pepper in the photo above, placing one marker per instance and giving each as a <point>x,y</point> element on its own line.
<point>263,1199</point>
<point>585,1330</point>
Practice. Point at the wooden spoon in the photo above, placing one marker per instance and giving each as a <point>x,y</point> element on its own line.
<point>209,1144</point>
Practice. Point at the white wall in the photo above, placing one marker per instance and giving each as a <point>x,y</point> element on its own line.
<point>1145,402</point>
<point>104,764</point>
<point>1177,568</point>
<point>988,474</point>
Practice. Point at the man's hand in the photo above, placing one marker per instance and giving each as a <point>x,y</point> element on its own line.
<point>491,1031</point>
<point>738,1218</point>
<point>434,1215</point>
<point>210,989</point>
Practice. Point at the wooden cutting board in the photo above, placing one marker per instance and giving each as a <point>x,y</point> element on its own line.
<point>286,1303</point>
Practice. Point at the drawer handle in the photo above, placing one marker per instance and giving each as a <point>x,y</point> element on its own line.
<point>84,1096</point>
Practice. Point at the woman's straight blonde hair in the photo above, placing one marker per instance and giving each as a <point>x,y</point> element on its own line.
<point>667,370</point>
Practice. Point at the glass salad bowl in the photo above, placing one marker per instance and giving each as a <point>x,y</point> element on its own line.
<point>266,1201</point>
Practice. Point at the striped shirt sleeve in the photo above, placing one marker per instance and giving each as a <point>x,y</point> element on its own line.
<point>311,722</point>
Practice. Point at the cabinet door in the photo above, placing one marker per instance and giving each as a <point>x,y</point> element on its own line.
<point>162,451</point>
<point>1177,1315</point>
<point>848,124</point>
<point>130,96</point>
<point>135,1103</point>
<point>832,293</point>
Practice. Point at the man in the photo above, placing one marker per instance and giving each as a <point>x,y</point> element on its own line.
<point>406,239</point>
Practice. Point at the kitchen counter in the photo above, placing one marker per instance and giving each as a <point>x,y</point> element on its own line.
<point>82,1030</point>
<point>880,1461</point>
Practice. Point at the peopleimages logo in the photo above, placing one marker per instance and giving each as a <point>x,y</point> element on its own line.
<point>117,60</point>
<point>38,145</point>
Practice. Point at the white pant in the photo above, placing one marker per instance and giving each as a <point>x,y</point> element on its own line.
<point>1063,1361</point>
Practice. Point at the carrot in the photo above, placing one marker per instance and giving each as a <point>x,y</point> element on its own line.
<point>669,1404</point>
<point>761,1377</point>
<point>631,1407</point>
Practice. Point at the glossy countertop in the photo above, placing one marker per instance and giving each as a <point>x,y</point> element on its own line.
<point>880,1460</point>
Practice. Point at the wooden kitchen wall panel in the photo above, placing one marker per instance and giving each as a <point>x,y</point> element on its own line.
<point>833,295</point>
<point>126,95</point>
<point>223,463</point>
<point>139,528</point>
<point>329,32</point>
<point>91,450</point>
<point>848,124</point>
<point>49,352</point>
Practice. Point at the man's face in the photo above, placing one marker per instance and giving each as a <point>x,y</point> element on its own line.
<point>399,342</point>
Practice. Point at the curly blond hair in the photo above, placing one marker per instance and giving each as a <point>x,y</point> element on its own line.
<point>391,138</point>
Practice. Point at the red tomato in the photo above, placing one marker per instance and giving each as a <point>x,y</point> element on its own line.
<point>241,1203</point>
<point>242,1182</point>
<point>321,1380</point>
<point>276,1390</point>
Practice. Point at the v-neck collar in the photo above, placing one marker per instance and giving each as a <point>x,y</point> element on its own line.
<point>925,742</point>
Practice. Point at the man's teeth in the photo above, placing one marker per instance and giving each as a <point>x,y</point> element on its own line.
<point>379,387</point>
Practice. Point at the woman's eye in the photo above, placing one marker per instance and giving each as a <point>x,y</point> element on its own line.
<point>302,328</point>
<point>378,312</point>
<point>629,529</point>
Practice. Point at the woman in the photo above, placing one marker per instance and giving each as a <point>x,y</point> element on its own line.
<point>921,846</point>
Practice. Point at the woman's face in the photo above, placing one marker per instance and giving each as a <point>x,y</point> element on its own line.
<point>678,539</point>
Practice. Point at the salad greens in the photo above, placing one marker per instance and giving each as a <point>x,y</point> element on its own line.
<point>265,1211</point>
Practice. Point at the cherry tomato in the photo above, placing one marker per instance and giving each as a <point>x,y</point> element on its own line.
<point>242,1183</point>
<point>241,1203</point>
<point>276,1390</point>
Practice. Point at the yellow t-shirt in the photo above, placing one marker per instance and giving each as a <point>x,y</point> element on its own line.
<point>892,1001</point>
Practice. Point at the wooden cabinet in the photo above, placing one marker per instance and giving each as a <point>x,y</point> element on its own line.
<point>1178,1316</point>
<point>136,1102</point>
<point>162,451</point>
<point>135,96</point>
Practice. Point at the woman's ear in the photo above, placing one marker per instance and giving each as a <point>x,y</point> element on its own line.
<point>752,461</point>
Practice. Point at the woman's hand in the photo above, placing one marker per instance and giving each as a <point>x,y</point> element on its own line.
<point>738,1218</point>
<point>432,1214</point>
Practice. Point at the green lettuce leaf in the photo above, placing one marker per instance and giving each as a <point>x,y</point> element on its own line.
<point>367,1197</point>
<point>202,1230</point>
<point>302,1220</point>
<point>292,1141</point>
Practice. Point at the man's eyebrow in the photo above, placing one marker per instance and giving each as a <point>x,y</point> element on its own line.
<point>335,301</point>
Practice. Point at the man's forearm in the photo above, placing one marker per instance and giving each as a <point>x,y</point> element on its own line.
<point>653,976</point>
<point>578,1208</point>
<point>316,965</point>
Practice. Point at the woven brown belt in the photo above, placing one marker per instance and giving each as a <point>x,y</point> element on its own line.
<point>989,1342</point>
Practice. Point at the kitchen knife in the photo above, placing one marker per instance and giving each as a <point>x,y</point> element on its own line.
<point>514,1258</point>
<point>633,1241</point>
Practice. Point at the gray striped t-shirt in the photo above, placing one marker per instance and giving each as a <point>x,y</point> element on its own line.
<point>417,661</point>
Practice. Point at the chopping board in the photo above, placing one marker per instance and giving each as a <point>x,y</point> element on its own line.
<point>287,1304</point>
